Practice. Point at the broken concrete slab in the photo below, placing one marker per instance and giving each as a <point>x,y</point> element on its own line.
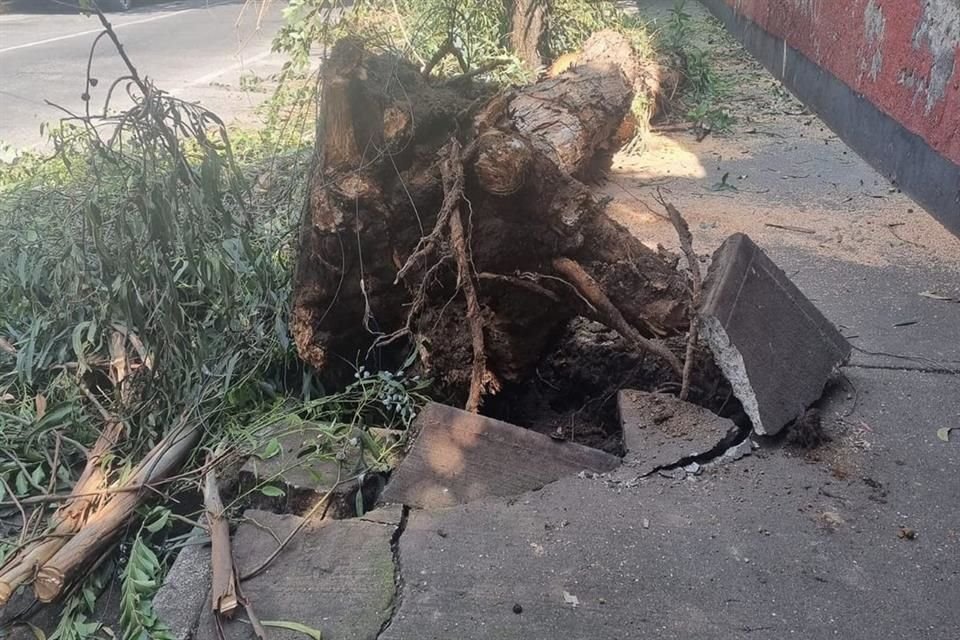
<point>773,345</point>
<point>185,591</point>
<point>458,457</point>
<point>335,576</point>
<point>660,430</point>
<point>305,476</point>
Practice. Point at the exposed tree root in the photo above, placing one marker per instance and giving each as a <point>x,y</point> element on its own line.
<point>608,313</point>
<point>693,263</point>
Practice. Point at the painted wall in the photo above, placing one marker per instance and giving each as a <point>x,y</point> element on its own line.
<point>901,55</point>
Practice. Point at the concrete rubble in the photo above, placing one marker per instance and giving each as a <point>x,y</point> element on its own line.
<point>772,344</point>
<point>186,588</point>
<point>661,431</point>
<point>336,576</point>
<point>305,478</point>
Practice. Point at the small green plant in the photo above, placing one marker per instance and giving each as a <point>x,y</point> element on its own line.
<point>703,91</point>
<point>140,580</point>
<point>678,26</point>
<point>251,82</point>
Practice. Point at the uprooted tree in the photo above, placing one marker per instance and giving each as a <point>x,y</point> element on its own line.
<point>460,219</point>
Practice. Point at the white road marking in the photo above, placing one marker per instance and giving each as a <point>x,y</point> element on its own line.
<point>68,36</point>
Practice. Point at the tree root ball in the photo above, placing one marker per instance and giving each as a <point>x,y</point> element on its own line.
<point>439,211</point>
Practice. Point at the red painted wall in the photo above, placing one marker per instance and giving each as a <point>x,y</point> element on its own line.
<point>902,55</point>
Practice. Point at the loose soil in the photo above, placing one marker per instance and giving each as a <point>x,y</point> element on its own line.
<point>573,392</point>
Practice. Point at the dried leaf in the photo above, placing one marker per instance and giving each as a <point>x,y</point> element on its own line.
<point>944,434</point>
<point>7,347</point>
<point>40,401</point>
<point>570,599</point>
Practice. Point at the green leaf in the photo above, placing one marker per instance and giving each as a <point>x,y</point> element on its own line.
<point>77,341</point>
<point>271,450</point>
<point>163,516</point>
<point>54,417</point>
<point>310,632</point>
<point>38,475</point>
<point>271,491</point>
<point>22,485</point>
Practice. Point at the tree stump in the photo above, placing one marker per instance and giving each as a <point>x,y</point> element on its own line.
<point>454,218</point>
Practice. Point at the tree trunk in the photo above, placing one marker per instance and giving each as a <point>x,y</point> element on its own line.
<point>527,25</point>
<point>377,262</point>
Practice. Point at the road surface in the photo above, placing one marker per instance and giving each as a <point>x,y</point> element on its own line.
<point>196,49</point>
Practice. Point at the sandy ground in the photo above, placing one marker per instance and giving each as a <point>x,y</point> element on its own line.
<point>778,174</point>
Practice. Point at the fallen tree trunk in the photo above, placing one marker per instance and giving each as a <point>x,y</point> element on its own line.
<point>378,260</point>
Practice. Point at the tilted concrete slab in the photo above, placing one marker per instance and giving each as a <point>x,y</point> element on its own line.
<point>773,345</point>
<point>458,457</point>
<point>661,430</point>
<point>335,576</point>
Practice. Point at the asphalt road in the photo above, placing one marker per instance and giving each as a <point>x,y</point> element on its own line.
<point>196,49</point>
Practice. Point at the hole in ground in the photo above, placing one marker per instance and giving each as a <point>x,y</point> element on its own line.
<point>573,392</point>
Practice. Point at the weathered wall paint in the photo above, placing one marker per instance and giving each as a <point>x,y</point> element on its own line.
<point>901,55</point>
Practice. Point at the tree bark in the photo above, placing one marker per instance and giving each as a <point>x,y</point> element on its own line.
<point>527,26</point>
<point>377,261</point>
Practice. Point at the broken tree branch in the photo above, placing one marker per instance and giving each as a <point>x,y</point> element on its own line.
<point>105,523</point>
<point>223,592</point>
<point>66,520</point>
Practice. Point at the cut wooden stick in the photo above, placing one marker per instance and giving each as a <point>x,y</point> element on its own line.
<point>102,526</point>
<point>66,520</point>
<point>608,313</point>
<point>224,600</point>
